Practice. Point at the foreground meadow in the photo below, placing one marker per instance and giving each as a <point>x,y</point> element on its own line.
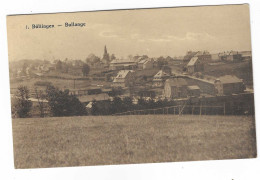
<point>100,140</point>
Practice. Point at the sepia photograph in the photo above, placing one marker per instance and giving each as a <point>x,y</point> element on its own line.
<point>131,86</point>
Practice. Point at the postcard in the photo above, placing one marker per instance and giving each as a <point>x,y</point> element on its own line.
<point>131,86</point>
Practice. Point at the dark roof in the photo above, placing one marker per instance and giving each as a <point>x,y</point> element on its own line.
<point>176,82</point>
<point>229,79</point>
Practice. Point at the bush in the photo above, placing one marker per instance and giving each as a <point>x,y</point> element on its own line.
<point>21,104</point>
<point>64,104</point>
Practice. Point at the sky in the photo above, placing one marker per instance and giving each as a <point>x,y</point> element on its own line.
<point>154,32</point>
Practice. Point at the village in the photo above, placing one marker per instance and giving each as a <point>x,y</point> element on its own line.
<point>197,77</point>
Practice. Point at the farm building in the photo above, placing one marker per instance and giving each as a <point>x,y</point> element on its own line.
<point>195,65</point>
<point>175,88</point>
<point>206,86</point>
<point>124,78</point>
<point>159,78</point>
<point>122,65</point>
<point>194,91</point>
<point>228,84</point>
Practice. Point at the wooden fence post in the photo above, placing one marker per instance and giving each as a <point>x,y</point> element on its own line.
<point>224,108</point>
<point>200,108</point>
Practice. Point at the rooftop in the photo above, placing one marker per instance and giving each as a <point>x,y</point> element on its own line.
<point>176,82</point>
<point>122,61</point>
<point>97,97</point>
<point>229,79</point>
<point>192,61</point>
<point>195,87</point>
<point>161,74</point>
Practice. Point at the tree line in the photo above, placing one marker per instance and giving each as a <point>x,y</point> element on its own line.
<point>61,103</point>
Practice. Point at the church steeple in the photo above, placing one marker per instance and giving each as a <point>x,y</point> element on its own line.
<point>105,50</point>
<point>105,56</point>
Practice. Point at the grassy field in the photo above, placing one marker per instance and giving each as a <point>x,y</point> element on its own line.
<point>79,141</point>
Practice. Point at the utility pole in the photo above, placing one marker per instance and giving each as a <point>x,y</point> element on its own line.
<point>200,108</point>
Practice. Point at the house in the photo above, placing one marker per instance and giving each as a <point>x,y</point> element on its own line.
<point>159,78</point>
<point>189,55</point>
<point>148,64</point>
<point>140,64</point>
<point>234,57</point>
<point>194,91</point>
<point>246,55</point>
<point>231,56</point>
<point>166,69</point>
<point>215,57</point>
<point>195,65</point>
<point>124,78</point>
<point>122,65</point>
<point>145,64</point>
<point>229,84</point>
<point>175,88</point>
<point>203,56</point>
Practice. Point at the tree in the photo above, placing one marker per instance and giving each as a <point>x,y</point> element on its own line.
<point>64,104</point>
<point>127,104</point>
<point>40,97</point>
<point>130,57</point>
<point>85,69</point>
<point>141,103</point>
<point>92,59</point>
<point>112,57</point>
<point>161,61</point>
<point>116,105</point>
<point>59,65</point>
<point>22,104</point>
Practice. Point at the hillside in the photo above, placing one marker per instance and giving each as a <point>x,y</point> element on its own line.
<point>242,70</point>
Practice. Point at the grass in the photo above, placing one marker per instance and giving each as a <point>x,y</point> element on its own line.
<point>79,141</point>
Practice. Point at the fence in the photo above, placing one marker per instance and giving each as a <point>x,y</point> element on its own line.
<point>194,110</point>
